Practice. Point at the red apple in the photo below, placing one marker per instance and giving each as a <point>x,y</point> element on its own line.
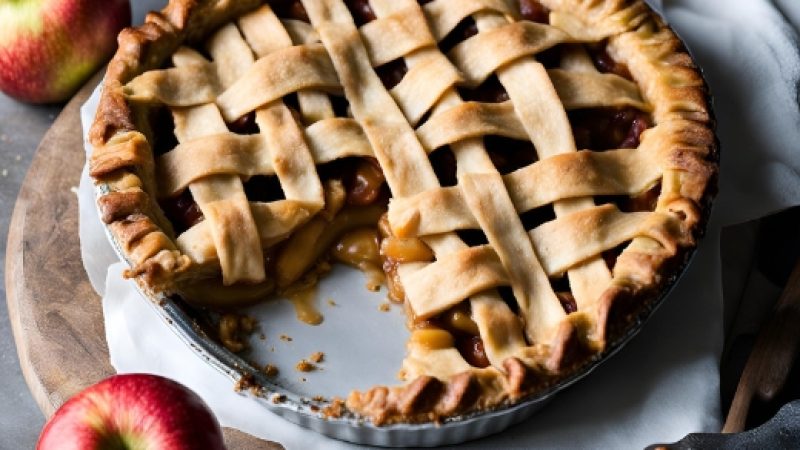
<point>48,48</point>
<point>133,411</point>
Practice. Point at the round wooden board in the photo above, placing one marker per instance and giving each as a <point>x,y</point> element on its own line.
<point>55,315</point>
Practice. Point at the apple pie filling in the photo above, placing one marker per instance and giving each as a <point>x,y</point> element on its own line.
<point>353,229</point>
<point>523,176</point>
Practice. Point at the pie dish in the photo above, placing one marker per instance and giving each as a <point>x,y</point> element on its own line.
<point>535,173</point>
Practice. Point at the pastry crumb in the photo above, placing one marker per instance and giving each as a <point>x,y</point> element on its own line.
<point>317,357</point>
<point>234,329</point>
<point>318,398</point>
<point>304,366</point>
<point>286,338</point>
<point>278,398</point>
<point>303,379</point>
<point>262,336</point>
<point>257,391</point>
<point>385,307</point>
<point>270,370</point>
<point>245,382</point>
<point>335,409</point>
<point>332,303</point>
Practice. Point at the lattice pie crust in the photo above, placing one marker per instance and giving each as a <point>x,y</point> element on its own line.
<point>254,60</point>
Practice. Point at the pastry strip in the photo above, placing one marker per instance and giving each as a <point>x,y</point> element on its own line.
<point>560,245</point>
<point>569,175</point>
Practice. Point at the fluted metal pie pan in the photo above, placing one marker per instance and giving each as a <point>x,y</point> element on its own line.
<point>294,401</point>
<point>299,407</point>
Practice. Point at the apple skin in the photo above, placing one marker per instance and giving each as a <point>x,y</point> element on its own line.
<point>133,411</point>
<point>48,48</point>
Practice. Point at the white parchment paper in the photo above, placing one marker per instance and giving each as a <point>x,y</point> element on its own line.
<point>664,383</point>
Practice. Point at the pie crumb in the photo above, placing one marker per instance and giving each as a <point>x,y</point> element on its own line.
<point>318,398</point>
<point>317,357</point>
<point>278,398</point>
<point>305,366</point>
<point>256,390</point>
<point>245,382</point>
<point>385,307</point>
<point>335,409</point>
<point>332,303</point>
<point>303,379</point>
<point>270,370</point>
<point>286,338</point>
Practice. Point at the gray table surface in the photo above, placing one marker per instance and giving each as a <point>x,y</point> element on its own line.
<point>22,127</point>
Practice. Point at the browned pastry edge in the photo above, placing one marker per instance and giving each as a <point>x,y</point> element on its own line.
<point>683,104</point>
<point>123,161</point>
<point>122,158</point>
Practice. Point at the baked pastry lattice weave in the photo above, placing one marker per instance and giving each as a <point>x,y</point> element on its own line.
<point>574,242</point>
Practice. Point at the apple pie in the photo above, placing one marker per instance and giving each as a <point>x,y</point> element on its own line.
<point>529,175</point>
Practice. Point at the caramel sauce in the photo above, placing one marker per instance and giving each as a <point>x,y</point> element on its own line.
<point>359,248</point>
<point>304,299</point>
<point>432,338</point>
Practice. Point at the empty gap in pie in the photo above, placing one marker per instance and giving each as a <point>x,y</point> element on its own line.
<point>361,11</point>
<point>610,128</point>
<point>534,11</point>
<point>564,293</point>
<point>293,103</point>
<point>550,58</point>
<point>443,162</point>
<point>646,201</point>
<point>182,211</point>
<point>490,91</point>
<point>245,124</point>
<point>340,105</point>
<point>290,9</point>
<point>464,30</point>
<point>537,216</point>
<point>605,63</point>
<point>264,188</point>
<point>507,294</point>
<point>392,72</point>
<point>610,256</point>
<point>473,237</point>
<point>508,154</point>
<point>163,129</point>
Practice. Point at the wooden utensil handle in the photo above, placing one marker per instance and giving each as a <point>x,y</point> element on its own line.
<point>772,356</point>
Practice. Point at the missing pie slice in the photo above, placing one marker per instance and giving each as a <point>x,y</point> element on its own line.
<point>530,175</point>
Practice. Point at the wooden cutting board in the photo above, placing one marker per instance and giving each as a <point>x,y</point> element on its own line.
<point>55,314</point>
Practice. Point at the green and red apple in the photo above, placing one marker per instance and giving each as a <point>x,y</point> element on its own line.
<point>48,48</point>
<point>133,412</point>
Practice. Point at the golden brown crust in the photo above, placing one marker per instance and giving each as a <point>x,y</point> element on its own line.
<point>123,163</point>
<point>122,159</point>
<point>670,81</point>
